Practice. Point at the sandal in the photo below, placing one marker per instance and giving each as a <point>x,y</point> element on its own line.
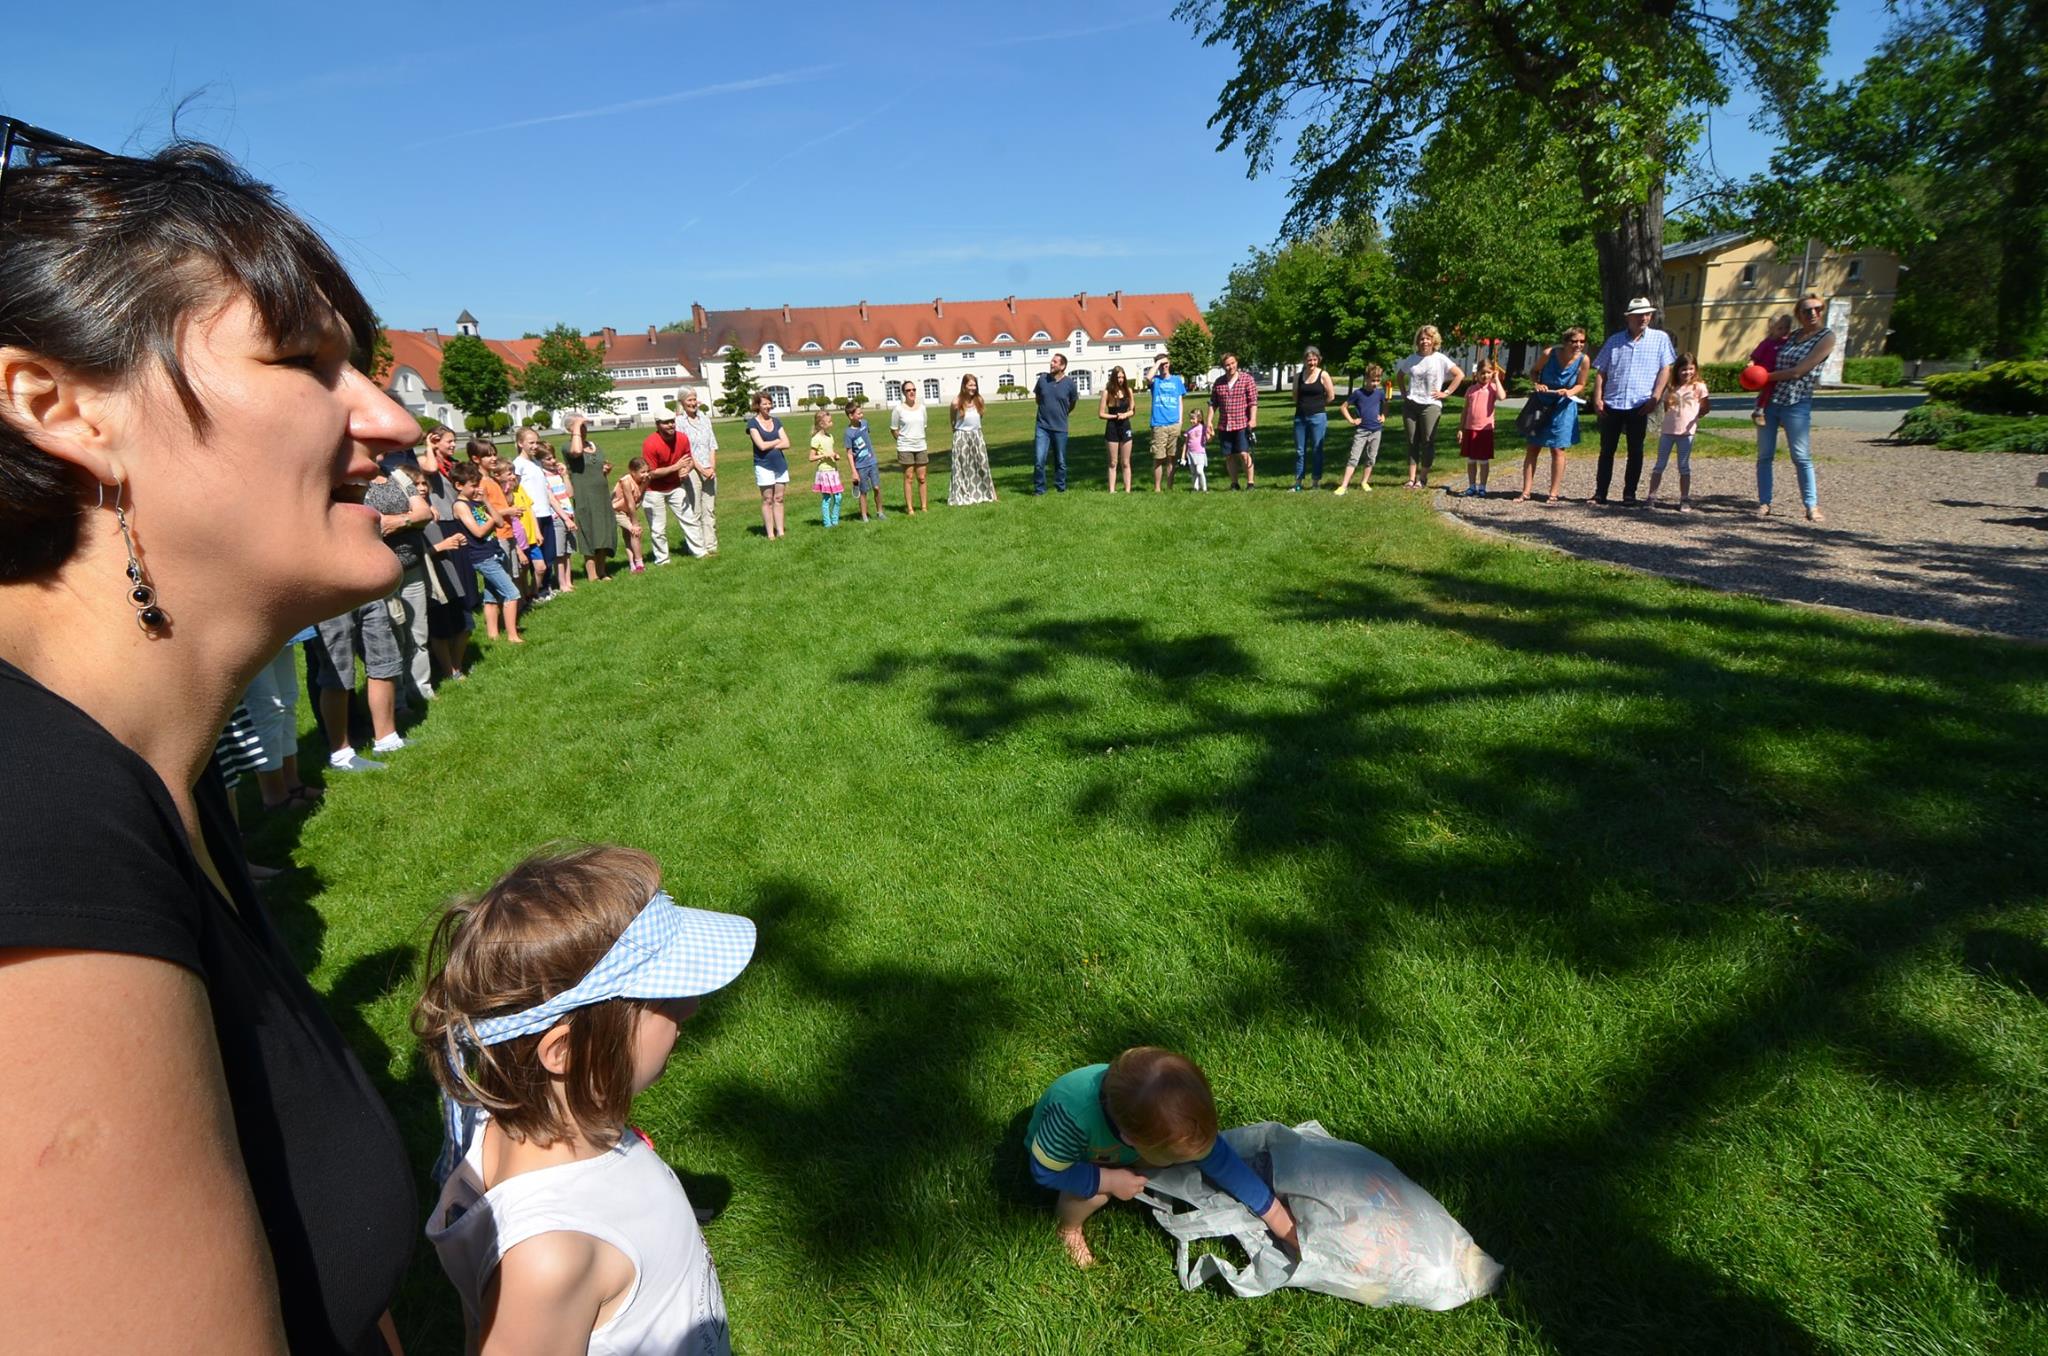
<point>305,795</point>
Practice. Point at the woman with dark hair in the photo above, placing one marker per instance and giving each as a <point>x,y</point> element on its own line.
<point>1114,409</point>
<point>1313,392</point>
<point>191,1157</point>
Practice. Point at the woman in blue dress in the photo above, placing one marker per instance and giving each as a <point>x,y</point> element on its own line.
<point>1558,383</point>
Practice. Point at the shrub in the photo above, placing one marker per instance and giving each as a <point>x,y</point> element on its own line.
<point>500,422</point>
<point>1886,370</point>
<point>1960,430</point>
<point>1722,378</point>
<point>2013,387</point>
<point>476,423</point>
<point>428,423</point>
<point>1931,423</point>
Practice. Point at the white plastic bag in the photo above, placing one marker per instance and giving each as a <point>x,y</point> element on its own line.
<point>1367,1233</point>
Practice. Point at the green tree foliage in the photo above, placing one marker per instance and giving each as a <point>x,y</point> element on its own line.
<point>475,380</point>
<point>740,387</point>
<point>1605,96</point>
<point>1936,150</point>
<point>1191,349</point>
<point>1486,249</point>
<point>376,364</point>
<point>567,373</point>
<point>680,327</point>
<point>1334,289</point>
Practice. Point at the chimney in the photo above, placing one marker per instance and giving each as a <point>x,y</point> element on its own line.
<point>1082,297</point>
<point>433,336</point>
<point>611,336</point>
<point>1011,302</point>
<point>938,306</point>
<point>651,332</point>
<point>697,317</point>
<point>785,313</point>
<point>1116,299</point>
<point>863,308</point>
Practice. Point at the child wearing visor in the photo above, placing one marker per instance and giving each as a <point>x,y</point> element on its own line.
<point>551,1002</point>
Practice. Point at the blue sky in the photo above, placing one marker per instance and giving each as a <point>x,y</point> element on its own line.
<point>892,150</point>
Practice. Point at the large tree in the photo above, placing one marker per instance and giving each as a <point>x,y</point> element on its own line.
<point>1191,349</point>
<point>475,380</point>
<point>1333,288</point>
<point>1938,149</point>
<point>567,373</point>
<point>1609,96</point>
<point>1496,250</point>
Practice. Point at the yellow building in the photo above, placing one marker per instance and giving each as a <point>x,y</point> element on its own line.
<point>1721,292</point>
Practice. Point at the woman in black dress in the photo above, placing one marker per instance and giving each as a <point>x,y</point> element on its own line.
<point>191,1158</point>
<point>1114,409</point>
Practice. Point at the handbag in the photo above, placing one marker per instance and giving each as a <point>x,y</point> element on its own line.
<point>1530,419</point>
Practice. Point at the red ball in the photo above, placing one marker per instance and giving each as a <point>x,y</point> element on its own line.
<point>1755,377</point>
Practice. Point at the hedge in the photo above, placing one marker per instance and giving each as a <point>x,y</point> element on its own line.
<point>1960,430</point>
<point>1722,378</point>
<point>1886,370</point>
<point>2013,387</point>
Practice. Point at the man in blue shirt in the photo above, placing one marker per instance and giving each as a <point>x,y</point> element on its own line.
<point>1629,377</point>
<point>1167,390</point>
<point>1056,395</point>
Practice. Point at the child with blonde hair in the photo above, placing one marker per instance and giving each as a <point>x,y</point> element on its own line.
<point>626,497</point>
<point>1197,452</point>
<point>1096,1129</point>
<point>1686,402</point>
<point>1475,425</point>
<point>551,1002</point>
<point>825,456</point>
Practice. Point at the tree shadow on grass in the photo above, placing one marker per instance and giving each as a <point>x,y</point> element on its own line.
<point>1743,764</point>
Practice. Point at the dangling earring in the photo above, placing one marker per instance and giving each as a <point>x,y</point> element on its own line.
<point>148,615</point>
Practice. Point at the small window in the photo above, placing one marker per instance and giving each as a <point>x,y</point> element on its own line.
<point>1150,347</point>
<point>963,339</point>
<point>1041,334</point>
<point>851,362</point>
<point>814,362</point>
<point>1116,348</point>
<point>641,404</point>
<point>1749,275</point>
<point>931,357</point>
<point>854,388</point>
<point>968,356</point>
<point>890,358</point>
<point>1007,379</point>
<point>931,388</point>
<point>1147,330</point>
<point>894,391</point>
<point>1855,270</point>
<point>1005,354</point>
<point>851,343</point>
<point>1005,337</point>
<point>1112,333</point>
<point>1084,382</point>
<point>815,391</point>
<point>927,342</point>
<point>890,343</point>
<point>812,346</point>
<point>780,395</point>
<point>1042,352</point>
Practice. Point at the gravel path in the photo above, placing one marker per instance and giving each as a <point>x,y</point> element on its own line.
<point>1911,532</point>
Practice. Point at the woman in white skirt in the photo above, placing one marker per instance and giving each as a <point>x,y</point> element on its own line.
<point>973,482</point>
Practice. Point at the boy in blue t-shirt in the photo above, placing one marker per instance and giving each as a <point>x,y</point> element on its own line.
<point>867,472</point>
<point>1365,409</point>
<point>1167,392</point>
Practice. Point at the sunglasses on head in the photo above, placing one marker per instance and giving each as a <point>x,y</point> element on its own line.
<point>25,146</point>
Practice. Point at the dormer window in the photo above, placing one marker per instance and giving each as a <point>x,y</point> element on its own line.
<point>1112,333</point>
<point>851,343</point>
<point>1147,330</point>
<point>1039,334</point>
<point>813,346</point>
<point>927,342</point>
<point>890,343</point>
<point>963,341</point>
<point>1005,337</point>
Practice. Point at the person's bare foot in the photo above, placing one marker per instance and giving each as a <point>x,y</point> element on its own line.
<point>1077,1248</point>
<point>1813,515</point>
<point>1521,499</point>
<point>1763,510</point>
<point>515,640</point>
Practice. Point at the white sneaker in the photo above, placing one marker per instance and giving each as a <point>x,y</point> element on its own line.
<point>348,760</point>
<point>390,743</point>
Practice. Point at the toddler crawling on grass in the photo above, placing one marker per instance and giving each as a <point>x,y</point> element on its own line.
<point>1097,1129</point>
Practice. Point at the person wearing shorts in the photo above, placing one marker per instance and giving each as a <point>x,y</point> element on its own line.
<point>771,462</point>
<point>860,453</point>
<point>1168,391</point>
<point>334,679</point>
<point>1234,407</point>
<point>907,422</point>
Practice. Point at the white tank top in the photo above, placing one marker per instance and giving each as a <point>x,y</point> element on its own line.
<point>628,1198</point>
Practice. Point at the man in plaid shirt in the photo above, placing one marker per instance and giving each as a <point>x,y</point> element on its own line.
<point>1235,400</point>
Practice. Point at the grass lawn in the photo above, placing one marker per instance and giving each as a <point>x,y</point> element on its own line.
<point>1691,949</point>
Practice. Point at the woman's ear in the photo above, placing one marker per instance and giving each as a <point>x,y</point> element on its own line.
<point>553,1051</point>
<point>60,412</point>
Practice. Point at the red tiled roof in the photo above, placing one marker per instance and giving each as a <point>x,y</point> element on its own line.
<point>830,327</point>
<point>421,351</point>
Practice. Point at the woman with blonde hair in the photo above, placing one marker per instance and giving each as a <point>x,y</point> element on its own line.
<point>1427,378</point>
<point>973,482</point>
<point>1790,405</point>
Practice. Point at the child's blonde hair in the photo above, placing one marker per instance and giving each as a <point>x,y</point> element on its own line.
<point>1375,375</point>
<point>820,420</point>
<point>534,934</point>
<point>1161,1102</point>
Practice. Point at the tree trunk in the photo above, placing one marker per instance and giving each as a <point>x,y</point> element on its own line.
<point>1631,259</point>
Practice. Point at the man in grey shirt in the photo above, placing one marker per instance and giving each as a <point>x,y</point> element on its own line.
<point>1056,395</point>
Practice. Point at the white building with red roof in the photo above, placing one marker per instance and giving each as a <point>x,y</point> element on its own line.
<point>837,351</point>
<point>842,351</point>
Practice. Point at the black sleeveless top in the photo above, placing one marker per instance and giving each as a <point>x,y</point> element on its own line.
<point>1310,397</point>
<point>93,858</point>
